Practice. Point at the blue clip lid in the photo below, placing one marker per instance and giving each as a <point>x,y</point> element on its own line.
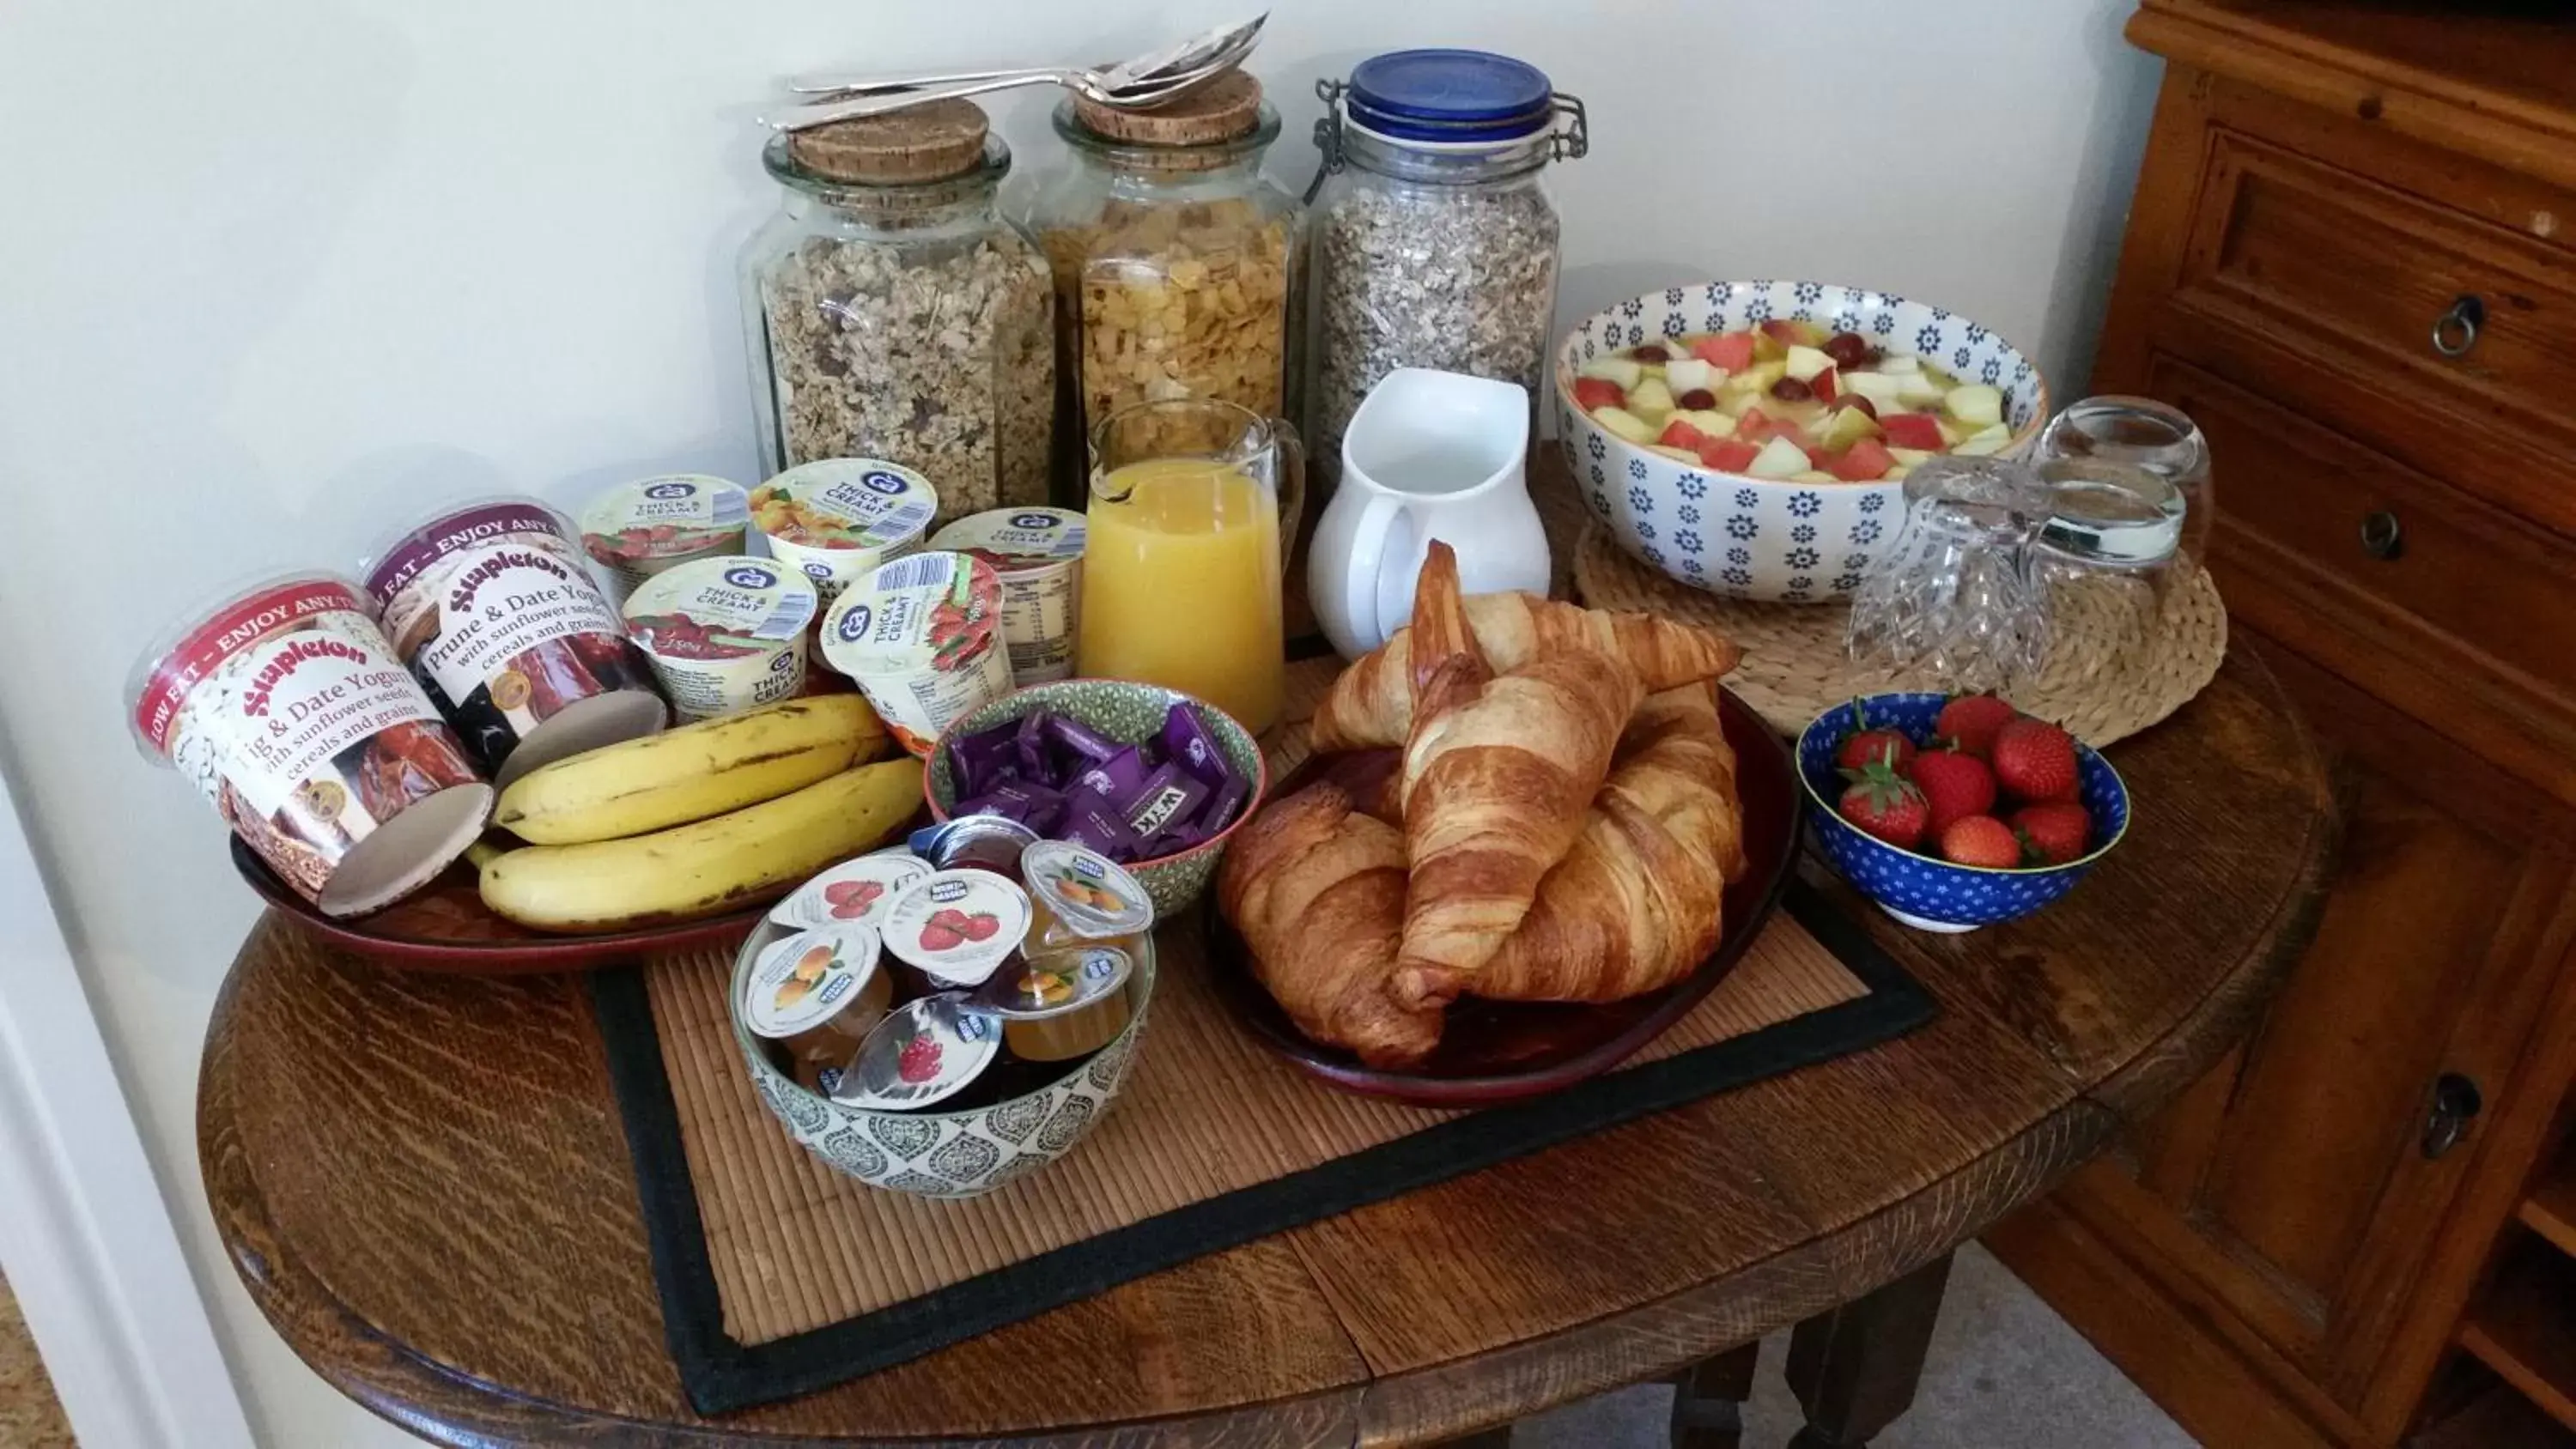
<point>1449,95</point>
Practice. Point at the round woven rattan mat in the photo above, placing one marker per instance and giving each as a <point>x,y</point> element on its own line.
<point>1794,668</point>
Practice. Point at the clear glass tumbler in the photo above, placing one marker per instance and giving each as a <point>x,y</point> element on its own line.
<point>2101,566</point>
<point>1952,605</point>
<point>2147,434</point>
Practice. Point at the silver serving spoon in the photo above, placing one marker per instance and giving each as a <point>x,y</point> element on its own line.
<point>1148,80</point>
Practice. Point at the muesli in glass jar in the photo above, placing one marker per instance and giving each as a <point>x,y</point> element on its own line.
<point>894,314</point>
<point>1434,244</point>
<point>1178,269</point>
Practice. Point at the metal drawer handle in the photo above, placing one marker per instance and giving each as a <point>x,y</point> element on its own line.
<point>2456,1101</point>
<point>2381,537</point>
<point>2456,331</point>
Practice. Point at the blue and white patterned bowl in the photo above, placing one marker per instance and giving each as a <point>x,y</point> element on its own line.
<point>1922,890</point>
<point>1765,538</point>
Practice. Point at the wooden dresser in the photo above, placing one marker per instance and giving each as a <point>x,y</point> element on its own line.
<point>2352,260</point>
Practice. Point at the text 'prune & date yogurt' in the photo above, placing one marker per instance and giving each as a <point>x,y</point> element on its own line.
<point>286,706</point>
<point>492,606</point>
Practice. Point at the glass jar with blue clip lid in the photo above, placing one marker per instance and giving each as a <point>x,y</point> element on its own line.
<point>1434,243</point>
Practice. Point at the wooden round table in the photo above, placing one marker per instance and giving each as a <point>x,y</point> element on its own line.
<point>424,1184</point>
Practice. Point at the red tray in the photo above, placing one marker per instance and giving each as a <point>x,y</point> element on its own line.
<point>1495,1051</point>
<point>447,928</point>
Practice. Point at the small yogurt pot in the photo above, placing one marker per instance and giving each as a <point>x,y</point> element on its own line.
<point>837,518</point>
<point>492,607</point>
<point>1080,897</point>
<point>1059,1006</point>
<point>818,993</point>
<point>285,704</point>
<point>856,891</point>
<point>926,1050</point>
<point>1037,552</point>
<point>639,529</point>
<point>922,638</point>
<point>957,927</point>
<point>724,634</point>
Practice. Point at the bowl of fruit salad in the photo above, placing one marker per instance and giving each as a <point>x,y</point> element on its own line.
<point>1752,438</point>
<point>1957,811</point>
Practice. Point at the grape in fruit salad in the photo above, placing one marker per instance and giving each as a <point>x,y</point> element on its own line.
<point>1790,400</point>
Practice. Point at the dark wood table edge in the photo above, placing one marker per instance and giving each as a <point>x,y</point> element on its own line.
<point>1414,1406</point>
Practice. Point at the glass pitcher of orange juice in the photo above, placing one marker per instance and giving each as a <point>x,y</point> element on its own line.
<point>1190,500</point>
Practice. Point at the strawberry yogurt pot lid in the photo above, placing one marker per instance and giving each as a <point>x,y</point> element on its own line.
<point>858,890</point>
<point>926,1050</point>
<point>725,633</point>
<point>285,705</point>
<point>493,605</point>
<point>922,638</point>
<point>958,926</point>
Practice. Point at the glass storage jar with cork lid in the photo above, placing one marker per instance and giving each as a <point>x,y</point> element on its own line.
<point>1179,270</point>
<point>893,313</point>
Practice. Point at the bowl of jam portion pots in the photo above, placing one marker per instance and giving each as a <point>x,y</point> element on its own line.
<point>950,1094</point>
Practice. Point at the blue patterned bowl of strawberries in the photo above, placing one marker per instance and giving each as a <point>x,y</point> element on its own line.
<point>1954,813</point>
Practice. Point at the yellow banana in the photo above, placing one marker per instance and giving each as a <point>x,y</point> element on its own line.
<point>708,867</point>
<point>694,772</point>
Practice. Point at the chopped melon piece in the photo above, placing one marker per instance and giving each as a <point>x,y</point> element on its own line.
<point>1757,378</point>
<point>1624,371</point>
<point>1626,424</point>
<point>1685,374</point>
<point>1709,421</point>
<point>1804,363</point>
<point>1846,427</point>
<point>1882,391</point>
<point>1916,390</point>
<point>1976,405</point>
<point>1985,441</point>
<point>1779,458</point>
<point>1900,362</point>
<point>1908,457</point>
<point>1650,398</point>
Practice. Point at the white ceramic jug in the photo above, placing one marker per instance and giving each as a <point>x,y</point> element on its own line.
<point>1428,455</point>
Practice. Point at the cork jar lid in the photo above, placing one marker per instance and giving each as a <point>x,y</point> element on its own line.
<point>1221,110</point>
<point>928,142</point>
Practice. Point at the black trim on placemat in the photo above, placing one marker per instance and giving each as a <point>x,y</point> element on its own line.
<point>721,1375</point>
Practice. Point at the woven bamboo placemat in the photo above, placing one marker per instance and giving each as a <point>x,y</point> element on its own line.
<point>1794,668</point>
<point>780,1276</point>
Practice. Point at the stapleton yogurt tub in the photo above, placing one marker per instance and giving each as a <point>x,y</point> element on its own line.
<point>285,704</point>
<point>493,608</point>
<point>1038,554</point>
<point>724,634</point>
<point>837,518</point>
<point>922,638</point>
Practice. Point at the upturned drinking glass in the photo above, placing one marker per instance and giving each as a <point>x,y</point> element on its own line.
<point>2143,433</point>
<point>1953,602</point>
<point>2101,566</point>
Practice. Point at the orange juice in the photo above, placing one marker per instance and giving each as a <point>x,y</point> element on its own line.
<point>1180,586</point>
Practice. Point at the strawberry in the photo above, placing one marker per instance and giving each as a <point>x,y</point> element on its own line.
<point>1727,455</point>
<point>1981,840</point>
<point>1732,350</point>
<point>2054,831</point>
<point>1954,786</point>
<point>1884,804</point>
<point>1919,431</point>
<point>1970,722</point>
<point>1865,744</point>
<point>2035,760</point>
<point>1597,392</point>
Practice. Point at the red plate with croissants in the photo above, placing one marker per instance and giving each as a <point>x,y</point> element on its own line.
<point>1576,841</point>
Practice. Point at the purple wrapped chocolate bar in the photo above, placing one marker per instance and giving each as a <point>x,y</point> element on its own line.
<point>1117,777</point>
<point>1168,797</point>
<point>1036,806</point>
<point>1187,743</point>
<point>982,759</point>
<point>1078,743</point>
<point>1029,743</point>
<point>1088,823</point>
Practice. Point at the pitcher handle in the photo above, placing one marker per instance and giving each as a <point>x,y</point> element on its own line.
<point>1358,582</point>
<point>1292,494</point>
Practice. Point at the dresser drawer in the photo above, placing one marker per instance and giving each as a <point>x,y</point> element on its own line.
<point>2395,553</point>
<point>2359,278</point>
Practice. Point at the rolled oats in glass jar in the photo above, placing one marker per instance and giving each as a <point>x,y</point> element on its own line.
<point>894,314</point>
<point>1178,269</point>
<point>1434,244</point>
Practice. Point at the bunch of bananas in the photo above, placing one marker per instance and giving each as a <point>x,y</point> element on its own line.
<point>698,820</point>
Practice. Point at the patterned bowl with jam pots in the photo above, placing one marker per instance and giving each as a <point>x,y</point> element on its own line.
<point>1783,540</point>
<point>944,1154</point>
<point>1127,712</point>
<point>1925,891</point>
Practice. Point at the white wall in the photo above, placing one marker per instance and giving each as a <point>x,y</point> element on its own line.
<point>274,271</point>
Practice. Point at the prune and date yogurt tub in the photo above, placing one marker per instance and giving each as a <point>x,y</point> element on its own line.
<point>837,518</point>
<point>1038,554</point>
<point>492,606</point>
<point>724,634</point>
<point>285,704</point>
<point>639,529</point>
<point>922,638</point>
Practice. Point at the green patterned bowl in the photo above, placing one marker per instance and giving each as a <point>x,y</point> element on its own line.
<point>1129,713</point>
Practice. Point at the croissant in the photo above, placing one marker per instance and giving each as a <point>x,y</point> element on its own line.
<point>1496,779</point>
<point>1638,903</point>
<point>1371,704</point>
<point>1317,891</point>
